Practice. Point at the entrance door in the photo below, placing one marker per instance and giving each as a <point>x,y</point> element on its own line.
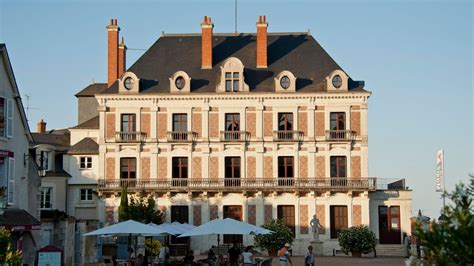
<point>338,220</point>
<point>234,212</point>
<point>179,246</point>
<point>286,213</point>
<point>389,225</point>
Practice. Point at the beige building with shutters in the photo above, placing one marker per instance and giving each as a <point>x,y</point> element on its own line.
<point>251,126</point>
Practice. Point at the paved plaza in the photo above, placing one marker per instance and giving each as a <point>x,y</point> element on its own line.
<point>299,260</point>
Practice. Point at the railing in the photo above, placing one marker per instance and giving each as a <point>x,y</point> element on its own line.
<point>340,135</point>
<point>234,136</point>
<point>240,184</point>
<point>181,136</point>
<point>130,136</point>
<point>287,135</point>
<point>391,184</point>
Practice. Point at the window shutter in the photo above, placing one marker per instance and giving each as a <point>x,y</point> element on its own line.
<point>11,179</point>
<point>9,118</point>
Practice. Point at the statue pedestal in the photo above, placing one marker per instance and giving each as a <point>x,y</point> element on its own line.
<point>317,247</point>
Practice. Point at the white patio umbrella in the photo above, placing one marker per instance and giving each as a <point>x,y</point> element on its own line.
<point>175,228</point>
<point>226,226</point>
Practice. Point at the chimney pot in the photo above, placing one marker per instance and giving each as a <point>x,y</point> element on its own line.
<point>113,52</point>
<point>41,127</point>
<point>206,43</point>
<point>122,55</point>
<point>262,42</point>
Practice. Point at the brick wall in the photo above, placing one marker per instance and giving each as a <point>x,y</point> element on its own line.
<point>197,123</point>
<point>213,167</point>
<point>162,167</point>
<point>355,122</point>
<point>268,167</point>
<point>356,215</point>
<point>252,214</point>
<point>110,126</point>
<point>213,125</point>
<point>213,212</point>
<point>268,215</point>
<point>251,167</point>
<point>304,219</point>
<point>110,168</point>
<point>197,215</point>
<point>162,123</point>
<point>146,124</point>
<point>197,169</point>
<point>267,124</point>
<point>251,120</point>
<point>355,166</point>
<point>319,124</point>
<point>303,122</point>
<point>321,214</point>
<point>145,172</point>
<point>320,167</point>
<point>303,166</point>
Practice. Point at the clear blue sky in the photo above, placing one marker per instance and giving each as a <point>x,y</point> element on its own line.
<point>415,56</point>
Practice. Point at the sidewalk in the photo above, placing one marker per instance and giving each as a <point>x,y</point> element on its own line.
<point>299,261</point>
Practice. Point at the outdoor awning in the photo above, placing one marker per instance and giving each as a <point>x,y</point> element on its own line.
<point>175,228</point>
<point>19,220</point>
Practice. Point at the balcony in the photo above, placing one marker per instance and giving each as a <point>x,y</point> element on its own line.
<point>235,136</point>
<point>287,135</point>
<point>181,136</point>
<point>239,184</point>
<point>340,135</point>
<point>130,136</point>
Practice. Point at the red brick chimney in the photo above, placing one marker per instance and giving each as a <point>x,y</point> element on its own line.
<point>41,127</point>
<point>206,46</point>
<point>262,26</point>
<point>112,46</point>
<point>122,55</point>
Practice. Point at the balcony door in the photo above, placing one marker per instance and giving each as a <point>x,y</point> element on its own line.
<point>232,126</point>
<point>285,126</point>
<point>128,171</point>
<point>232,171</point>
<point>338,171</point>
<point>286,213</point>
<point>179,171</point>
<point>179,214</point>
<point>285,171</point>
<point>338,220</point>
<point>180,127</point>
<point>337,125</point>
<point>234,212</point>
<point>389,225</point>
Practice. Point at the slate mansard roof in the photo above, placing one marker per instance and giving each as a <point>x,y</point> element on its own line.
<point>298,53</point>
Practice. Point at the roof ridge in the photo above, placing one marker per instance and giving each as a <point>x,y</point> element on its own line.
<point>232,34</point>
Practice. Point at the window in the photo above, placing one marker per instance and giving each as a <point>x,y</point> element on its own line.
<point>44,159</point>
<point>180,127</point>
<point>389,225</point>
<point>285,82</point>
<point>85,163</point>
<point>180,82</point>
<point>285,121</point>
<point>339,219</point>
<point>128,123</point>
<point>231,81</point>
<point>128,83</point>
<point>338,121</point>
<point>232,170</point>
<point>232,126</point>
<point>337,81</point>
<point>45,201</point>
<point>285,171</point>
<point>179,214</point>
<point>338,166</point>
<point>179,170</point>
<point>7,177</point>
<point>234,212</point>
<point>86,194</point>
<point>286,213</point>
<point>6,117</point>
<point>128,168</point>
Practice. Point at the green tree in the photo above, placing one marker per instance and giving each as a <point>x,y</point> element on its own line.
<point>141,209</point>
<point>451,240</point>
<point>123,208</point>
<point>7,255</point>
<point>281,235</point>
<point>357,238</point>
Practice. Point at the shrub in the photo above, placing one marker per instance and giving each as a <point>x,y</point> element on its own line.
<point>152,247</point>
<point>282,234</point>
<point>357,238</point>
<point>7,255</point>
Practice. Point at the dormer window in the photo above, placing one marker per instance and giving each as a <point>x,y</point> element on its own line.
<point>337,81</point>
<point>232,81</point>
<point>128,83</point>
<point>232,76</point>
<point>285,82</point>
<point>180,82</point>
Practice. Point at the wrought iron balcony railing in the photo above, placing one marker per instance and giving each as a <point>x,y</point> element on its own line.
<point>240,184</point>
<point>287,135</point>
<point>181,136</point>
<point>338,135</point>
<point>234,136</point>
<point>130,136</point>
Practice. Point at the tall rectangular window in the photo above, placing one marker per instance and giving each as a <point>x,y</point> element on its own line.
<point>285,121</point>
<point>285,171</point>
<point>179,170</point>
<point>2,117</point>
<point>232,170</point>
<point>338,220</point>
<point>232,81</point>
<point>180,214</point>
<point>86,194</point>
<point>232,122</point>
<point>85,162</point>
<point>180,122</point>
<point>233,212</point>
<point>128,123</point>
<point>338,121</point>
<point>338,166</point>
<point>128,168</point>
<point>286,213</point>
<point>45,200</point>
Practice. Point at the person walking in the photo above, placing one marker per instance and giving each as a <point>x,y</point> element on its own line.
<point>234,255</point>
<point>309,259</point>
<point>247,256</point>
<point>284,255</point>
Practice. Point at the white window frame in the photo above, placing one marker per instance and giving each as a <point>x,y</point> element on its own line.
<point>4,117</point>
<point>9,120</point>
<point>87,194</point>
<point>11,181</point>
<point>43,198</point>
<point>87,162</point>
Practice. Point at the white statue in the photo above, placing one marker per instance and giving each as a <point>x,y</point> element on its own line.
<point>315,225</point>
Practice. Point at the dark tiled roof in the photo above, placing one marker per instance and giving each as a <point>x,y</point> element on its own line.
<point>57,138</point>
<point>299,53</point>
<point>17,217</point>
<point>57,173</point>
<point>92,123</point>
<point>85,146</point>
<point>92,90</point>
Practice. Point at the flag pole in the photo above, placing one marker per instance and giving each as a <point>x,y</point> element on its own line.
<point>444,189</point>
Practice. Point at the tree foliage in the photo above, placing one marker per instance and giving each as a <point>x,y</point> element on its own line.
<point>357,238</point>
<point>451,240</point>
<point>141,209</point>
<point>282,235</point>
<point>152,247</point>
<point>7,255</point>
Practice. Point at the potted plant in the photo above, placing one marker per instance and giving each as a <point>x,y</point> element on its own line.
<point>357,240</point>
<point>272,242</point>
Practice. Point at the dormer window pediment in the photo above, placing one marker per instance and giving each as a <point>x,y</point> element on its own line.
<point>129,83</point>
<point>232,76</point>
<point>285,82</point>
<point>180,82</point>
